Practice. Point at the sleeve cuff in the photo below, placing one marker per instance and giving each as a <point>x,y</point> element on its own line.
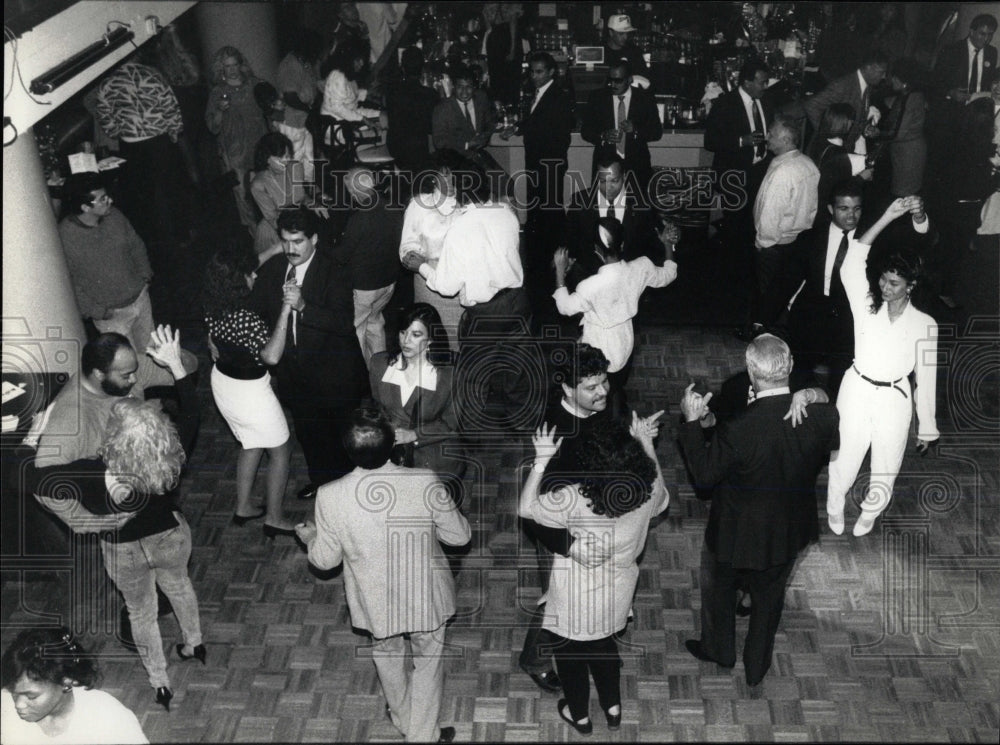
<point>921,227</point>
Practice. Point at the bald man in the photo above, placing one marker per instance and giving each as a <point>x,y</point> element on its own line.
<point>369,249</point>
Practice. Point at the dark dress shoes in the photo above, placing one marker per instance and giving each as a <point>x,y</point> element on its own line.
<point>564,713</point>
<point>694,647</point>
<point>308,491</point>
<point>447,734</point>
<point>163,697</point>
<point>199,653</point>
<point>614,720</point>
<point>244,519</point>
<point>547,681</point>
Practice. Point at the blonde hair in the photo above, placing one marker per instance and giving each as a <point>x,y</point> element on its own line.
<point>219,57</point>
<point>142,448</point>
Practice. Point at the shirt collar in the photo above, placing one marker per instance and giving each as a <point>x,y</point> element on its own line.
<point>576,412</point>
<point>541,91</point>
<point>861,82</point>
<point>783,157</point>
<point>301,269</point>
<point>602,201</point>
<point>426,378</point>
<point>747,100</point>
<point>780,391</point>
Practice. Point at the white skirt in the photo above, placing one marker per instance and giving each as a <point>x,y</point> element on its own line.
<point>251,410</point>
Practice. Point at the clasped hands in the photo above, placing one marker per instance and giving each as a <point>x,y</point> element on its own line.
<point>412,261</point>
<point>912,204</point>
<point>293,295</point>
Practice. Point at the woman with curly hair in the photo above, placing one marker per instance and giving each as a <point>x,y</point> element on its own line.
<point>242,346</point>
<point>891,339</point>
<point>586,606</point>
<point>48,694</point>
<point>233,114</point>
<point>127,495</point>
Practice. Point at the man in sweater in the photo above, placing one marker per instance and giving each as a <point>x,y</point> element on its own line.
<point>107,261</point>
<point>370,248</point>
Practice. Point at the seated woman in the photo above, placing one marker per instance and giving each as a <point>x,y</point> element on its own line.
<point>242,346</point>
<point>827,151</point>
<point>414,386</point>
<point>342,97</point>
<point>277,184</point>
<point>586,606</point>
<point>48,694</point>
<point>127,495</point>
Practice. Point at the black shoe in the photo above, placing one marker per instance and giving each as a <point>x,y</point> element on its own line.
<point>270,531</point>
<point>163,696</point>
<point>244,519</point>
<point>308,491</point>
<point>547,681</point>
<point>583,729</point>
<point>199,653</point>
<point>742,610</point>
<point>447,734</point>
<point>694,647</point>
<point>614,720</point>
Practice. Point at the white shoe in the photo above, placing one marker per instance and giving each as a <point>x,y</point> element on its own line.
<point>863,526</point>
<point>836,523</point>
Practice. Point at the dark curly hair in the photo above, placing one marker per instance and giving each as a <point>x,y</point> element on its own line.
<point>438,351</point>
<point>903,261</point>
<point>225,286</point>
<point>50,656</point>
<point>619,473</point>
<point>587,362</point>
<point>273,143</point>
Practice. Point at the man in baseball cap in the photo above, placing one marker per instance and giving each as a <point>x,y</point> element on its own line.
<point>619,46</point>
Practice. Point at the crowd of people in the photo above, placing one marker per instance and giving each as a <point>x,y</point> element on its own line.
<point>835,237</point>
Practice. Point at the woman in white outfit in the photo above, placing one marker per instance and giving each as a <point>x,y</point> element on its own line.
<point>891,339</point>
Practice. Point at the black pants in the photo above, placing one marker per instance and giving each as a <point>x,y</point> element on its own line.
<point>577,661</point>
<point>719,582</point>
<point>154,188</point>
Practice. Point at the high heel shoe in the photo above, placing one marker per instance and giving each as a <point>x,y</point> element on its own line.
<point>583,729</point>
<point>163,696</point>
<point>271,531</point>
<point>614,720</point>
<point>242,520</point>
<point>198,654</point>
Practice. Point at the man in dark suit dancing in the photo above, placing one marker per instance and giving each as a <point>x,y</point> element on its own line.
<point>623,118</point>
<point>322,375</point>
<point>763,513</point>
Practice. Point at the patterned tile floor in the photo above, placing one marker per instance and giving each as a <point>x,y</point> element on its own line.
<point>892,637</point>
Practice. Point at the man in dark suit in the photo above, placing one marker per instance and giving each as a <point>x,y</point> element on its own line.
<point>614,192</point>
<point>970,65</point>
<point>763,513</point>
<point>546,131</point>
<point>623,118</point>
<point>409,108</point>
<point>322,375</point>
<point>855,89</point>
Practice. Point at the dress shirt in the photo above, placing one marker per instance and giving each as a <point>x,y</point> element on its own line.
<point>888,351</point>
<point>609,300</point>
<point>342,99</point>
<point>426,222</point>
<point>618,204</point>
<point>832,246</point>
<point>979,65</point>
<point>749,104</point>
<point>786,202</point>
<point>479,256</point>
<point>539,93</point>
<point>136,103</point>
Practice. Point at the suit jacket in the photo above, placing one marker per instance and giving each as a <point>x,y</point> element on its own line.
<point>727,122</point>
<point>451,128</point>
<point>764,473</point>
<point>952,67</point>
<point>367,520</point>
<point>845,89</point>
<point>638,226</point>
<point>546,130</point>
<point>599,116</point>
<point>325,361</point>
<point>409,107</point>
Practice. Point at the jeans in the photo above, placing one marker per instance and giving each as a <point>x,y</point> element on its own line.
<point>136,568</point>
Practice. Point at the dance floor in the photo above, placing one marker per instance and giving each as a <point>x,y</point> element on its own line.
<point>891,637</point>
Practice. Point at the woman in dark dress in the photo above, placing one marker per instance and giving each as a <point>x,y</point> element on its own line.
<point>828,152</point>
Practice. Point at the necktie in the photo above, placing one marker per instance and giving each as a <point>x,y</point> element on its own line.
<point>974,74</point>
<point>290,277</point>
<point>611,211</point>
<point>838,260</point>
<point>618,124</point>
<point>468,115</point>
<point>758,126</point>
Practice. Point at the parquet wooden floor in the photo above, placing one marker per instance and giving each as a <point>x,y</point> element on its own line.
<point>892,637</point>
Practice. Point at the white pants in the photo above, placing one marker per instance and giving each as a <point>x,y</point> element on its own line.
<point>368,320</point>
<point>870,417</point>
<point>413,694</point>
<point>134,321</point>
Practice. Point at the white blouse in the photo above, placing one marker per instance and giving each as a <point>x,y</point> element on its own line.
<point>342,99</point>
<point>426,222</point>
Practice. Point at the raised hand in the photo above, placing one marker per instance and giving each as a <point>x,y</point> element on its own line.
<point>693,405</point>
<point>645,429</point>
<point>545,443</point>
<point>165,346</point>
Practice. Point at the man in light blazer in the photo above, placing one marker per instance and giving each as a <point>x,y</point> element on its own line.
<point>638,126</point>
<point>762,467</point>
<point>384,522</point>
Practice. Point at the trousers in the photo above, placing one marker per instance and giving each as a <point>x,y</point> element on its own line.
<point>413,693</point>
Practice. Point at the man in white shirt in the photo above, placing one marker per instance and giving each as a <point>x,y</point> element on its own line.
<point>480,263</point>
<point>785,206</point>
